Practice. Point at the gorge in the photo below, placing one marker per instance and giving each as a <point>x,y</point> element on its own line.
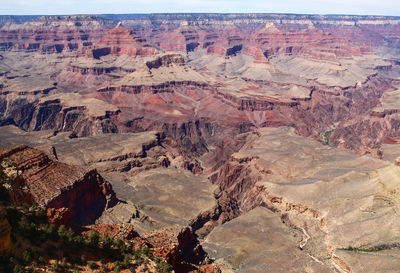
<point>224,142</point>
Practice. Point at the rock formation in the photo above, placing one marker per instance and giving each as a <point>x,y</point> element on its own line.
<point>294,120</point>
<point>56,185</point>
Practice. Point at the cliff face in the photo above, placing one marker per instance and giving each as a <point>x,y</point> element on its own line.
<point>119,41</point>
<point>316,36</point>
<point>266,172</point>
<point>257,102</point>
<point>55,185</point>
<point>314,73</point>
<point>54,34</point>
<point>69,113</point>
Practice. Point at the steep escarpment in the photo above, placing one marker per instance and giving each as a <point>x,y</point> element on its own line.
<point>374,128</point>
<point>55,185</point>
<point>70,113</point>
<point>266,172</point>
<point>258,103</point>
<point>120,40</point>
<point>260,70</point>
<point>54,34</point>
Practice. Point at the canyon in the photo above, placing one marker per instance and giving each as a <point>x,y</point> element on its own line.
<point>228,142</point>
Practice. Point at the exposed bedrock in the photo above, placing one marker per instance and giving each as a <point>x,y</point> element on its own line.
<point>54,34</point>
<point>327,108</point>
<point>316,197</point>
<point>53,114</point>
<point>52,184</point>
<point>190,136</point>
<point>167,87</point>
<point>332,105</point>
<point>240,99</point>
<point>119,41</point>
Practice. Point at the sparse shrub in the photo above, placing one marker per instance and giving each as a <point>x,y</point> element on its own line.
<point>62,231</point>
<point>137,255</point>
<point>50,230</point>
<point>93,239</point>
<point>147,252</point>
<point>326,136</point>
<point>162,266</point>
<point>41,260</point>
<point>126,262</point>
<point>18,269</point>
<point>55,267</point>
<point>75,269</point>
<point>78,241</point>
<point>63,263</point>
<point>92,265</point>
<point>40,214</point>
<point>116,267</point>
<point>104,268</point>
<point>27,256</point>
<point>107,242</point>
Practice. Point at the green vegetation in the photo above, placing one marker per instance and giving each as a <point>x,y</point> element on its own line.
<point>5,180</point>
<point>350,248</point>
<point>93,239</point>
<point>39,244</point>
<point>59,249</point>
<point>162,266</point>
<point>371,249</point>
<point>92,265</point>
<point>151,163</point>
<point>326,136</point>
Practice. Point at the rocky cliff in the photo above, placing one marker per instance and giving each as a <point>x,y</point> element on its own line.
<point>56,185</point>
<point>54,34</point>
<point>309,72</point>
<point>259,103</point>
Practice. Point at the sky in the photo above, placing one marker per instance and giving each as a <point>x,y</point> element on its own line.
<point>59,7</point>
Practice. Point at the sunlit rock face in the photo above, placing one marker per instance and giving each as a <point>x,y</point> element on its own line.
<point>256,142</point>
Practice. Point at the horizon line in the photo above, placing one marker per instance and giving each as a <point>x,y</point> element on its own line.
<point>205,13</point>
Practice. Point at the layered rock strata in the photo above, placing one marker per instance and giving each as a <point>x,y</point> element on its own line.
<point>56,185</point>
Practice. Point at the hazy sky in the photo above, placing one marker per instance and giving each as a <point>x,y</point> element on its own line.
<point>378,7</point>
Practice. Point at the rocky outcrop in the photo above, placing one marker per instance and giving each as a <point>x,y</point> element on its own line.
<point>166,60</point>
<point>120,40</point>
<point>56,185</point>
<point>324,76</point>
<point>60,216</point>
<point>166,87</point>
<point>56,114</point>
<point>179,247</point>
<point>320,37</point>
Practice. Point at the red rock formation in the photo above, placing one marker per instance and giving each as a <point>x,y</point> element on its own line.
<point>54,34</point>
<point>56,185</point>
<point>52,114</point>
<point>120,40</point>
<point>318,38</point>
<point>179,247</point>
<point>60,216</point>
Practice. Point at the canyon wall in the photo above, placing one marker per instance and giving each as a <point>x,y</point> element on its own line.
<point>55,185</point>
